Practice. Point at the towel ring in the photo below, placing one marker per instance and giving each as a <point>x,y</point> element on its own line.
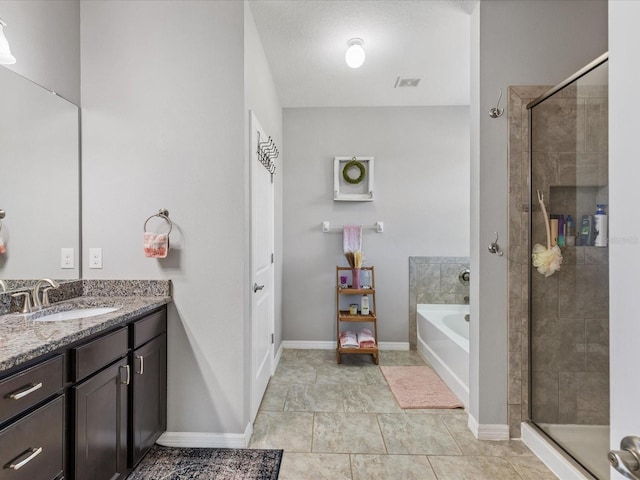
<point>163,213</point>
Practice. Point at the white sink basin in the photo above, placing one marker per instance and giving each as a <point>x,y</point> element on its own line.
<point>75,314</point>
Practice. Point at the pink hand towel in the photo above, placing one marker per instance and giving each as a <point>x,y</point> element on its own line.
<point>366,339</point>
<point>348,339</point>
<point>3,248</point>
<point>156,245</point>
<point>352,238</point>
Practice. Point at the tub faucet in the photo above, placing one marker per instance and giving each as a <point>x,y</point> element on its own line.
<point>35,293</point>
<point>464,276</point>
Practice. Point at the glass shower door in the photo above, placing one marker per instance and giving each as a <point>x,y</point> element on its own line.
<point>569,307</point>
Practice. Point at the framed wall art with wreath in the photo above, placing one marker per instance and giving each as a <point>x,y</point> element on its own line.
<point>353,179</point>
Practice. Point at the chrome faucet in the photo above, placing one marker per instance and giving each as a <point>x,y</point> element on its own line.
<point>35,292</point>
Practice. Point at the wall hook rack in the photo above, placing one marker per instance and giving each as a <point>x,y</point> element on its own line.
<point>496,111</point>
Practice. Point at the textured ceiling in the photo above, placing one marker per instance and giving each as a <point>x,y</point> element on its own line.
<point>305,42</point>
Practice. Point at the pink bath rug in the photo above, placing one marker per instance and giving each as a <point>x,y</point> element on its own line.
<point>419,387</point>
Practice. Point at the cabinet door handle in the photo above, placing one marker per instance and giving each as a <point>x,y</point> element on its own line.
<point>141,358</point>
<point>31,454</point>
<point>24,391</point>
<point>128,380</point>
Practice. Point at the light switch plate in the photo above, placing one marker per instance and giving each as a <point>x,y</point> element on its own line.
<point>67,258</point>
<point>95,258</point>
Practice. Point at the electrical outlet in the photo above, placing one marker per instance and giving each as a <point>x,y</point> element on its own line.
<point>95,258</point>
<point>67,258</point>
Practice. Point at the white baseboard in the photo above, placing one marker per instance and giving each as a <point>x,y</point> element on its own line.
<point>276,360</point>
<point>403,346</point>
<point>309,345</point>
<point>206,440</point>
<point>331,345</point>
<point>488,431</point>
<point>550,456</point>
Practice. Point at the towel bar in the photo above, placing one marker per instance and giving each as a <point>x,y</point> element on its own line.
<point>327,227</point>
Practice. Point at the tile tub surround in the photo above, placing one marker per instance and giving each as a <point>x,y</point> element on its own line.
<point>434,280</point>
<point>22,339</point>
<point>354,430</point>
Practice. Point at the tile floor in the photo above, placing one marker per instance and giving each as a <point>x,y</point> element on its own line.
<point>341,422</point>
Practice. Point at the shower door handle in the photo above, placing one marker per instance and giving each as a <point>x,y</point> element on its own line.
<point>627,459</point>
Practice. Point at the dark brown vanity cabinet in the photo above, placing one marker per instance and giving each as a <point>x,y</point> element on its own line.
<point>120,411</point>
<point>148,392</point>
<point>90,410</point>
<point>101,424</point>
<point>32,412</point>
<point>101,406</point>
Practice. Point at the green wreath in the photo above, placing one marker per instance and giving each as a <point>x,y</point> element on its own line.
<point>347,167</point>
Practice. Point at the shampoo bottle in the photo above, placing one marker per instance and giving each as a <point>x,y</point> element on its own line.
<point>561,231</point>
<point>554,229</point>
<point>587,231</point>
<point>601,226</point>
<point>570,232</point>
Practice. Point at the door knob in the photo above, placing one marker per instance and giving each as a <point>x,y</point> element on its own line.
<point>627,459</point>
<point>257,287</point>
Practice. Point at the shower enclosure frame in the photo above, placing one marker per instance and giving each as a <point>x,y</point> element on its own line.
<point>529,245</point>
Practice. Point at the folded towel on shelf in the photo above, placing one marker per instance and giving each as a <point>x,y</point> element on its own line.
<point>348,339</point>
<point>352,238</point>
<point>366,338</point>
<point>156,245</point>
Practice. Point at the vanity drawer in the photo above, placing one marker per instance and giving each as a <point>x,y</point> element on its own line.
<point>30,386</point>
<point>32,447</point>
<point>92,356</point>
<point>149,327</point>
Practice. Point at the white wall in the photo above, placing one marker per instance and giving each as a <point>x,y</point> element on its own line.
<point>163,127</point>
<point>624,232</point>
<point>421,194</point>
<point>518,43</point>
<point>44,36</point>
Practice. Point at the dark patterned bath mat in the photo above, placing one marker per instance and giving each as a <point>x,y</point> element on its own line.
<point>169,463</point>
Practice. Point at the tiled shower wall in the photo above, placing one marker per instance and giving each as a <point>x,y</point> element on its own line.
<point>570,308</point>
<point>434,280</point>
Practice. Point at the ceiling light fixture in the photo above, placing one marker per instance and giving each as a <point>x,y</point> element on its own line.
<point>355,53</point>
<point>5,52</point>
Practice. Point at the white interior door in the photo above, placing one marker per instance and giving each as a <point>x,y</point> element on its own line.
<point>624,232</point>
<point>262,294</point>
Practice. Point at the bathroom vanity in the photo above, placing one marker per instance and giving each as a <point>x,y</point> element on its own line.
<point>85,398</point>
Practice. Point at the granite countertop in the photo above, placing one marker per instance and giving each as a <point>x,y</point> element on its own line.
<point>22,338</point>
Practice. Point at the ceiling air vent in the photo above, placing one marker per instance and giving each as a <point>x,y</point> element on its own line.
<point>407,82</point>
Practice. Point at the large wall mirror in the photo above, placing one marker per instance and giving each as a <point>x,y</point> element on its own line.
<point>39,182</point>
